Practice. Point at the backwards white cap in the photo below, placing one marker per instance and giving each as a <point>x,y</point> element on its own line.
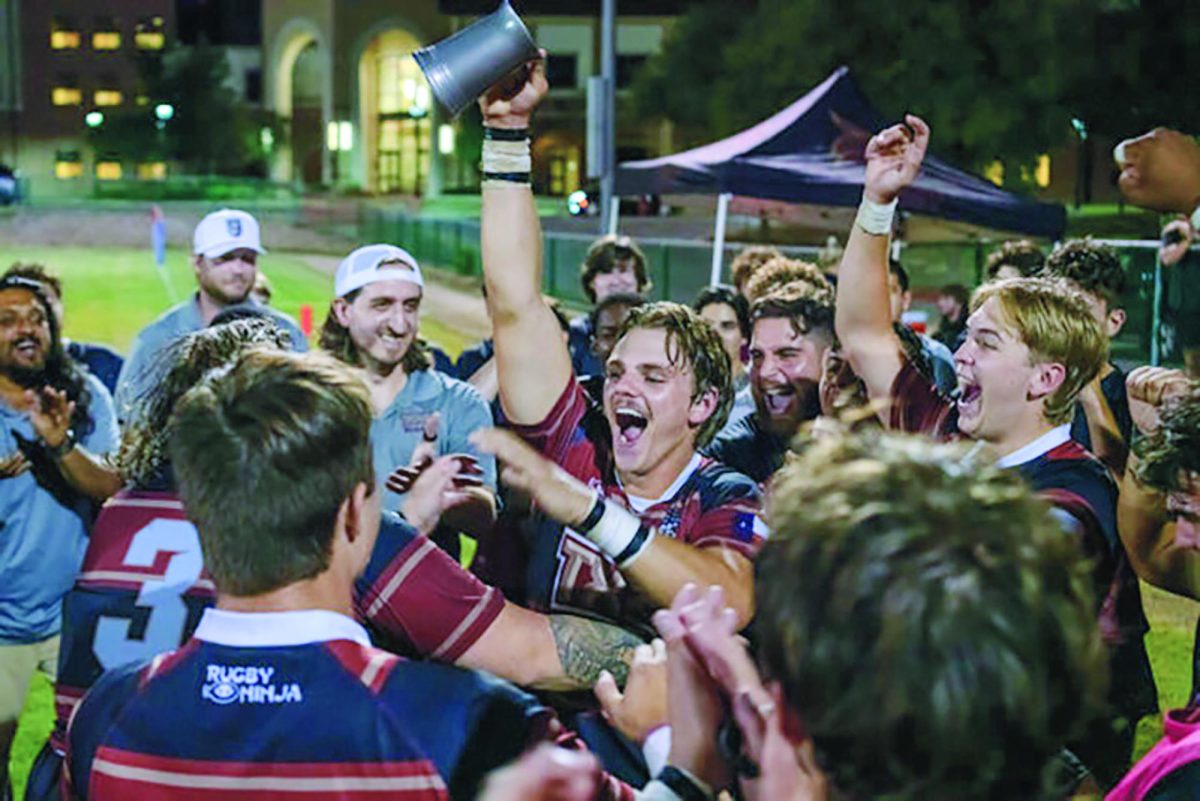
<point>226,230</point>
<point>369,264</point>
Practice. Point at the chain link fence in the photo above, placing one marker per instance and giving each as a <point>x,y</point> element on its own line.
<point>1162,306</point>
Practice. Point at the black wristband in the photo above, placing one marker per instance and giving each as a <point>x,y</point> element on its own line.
<point>505,134</point>
<point>593,516</point>
<point>681,784</point>
<point>510,177</point>
<point>635,545</point>
<point>66,446</point>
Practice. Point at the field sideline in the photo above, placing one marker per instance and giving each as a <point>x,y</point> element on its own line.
<point>110,294</point>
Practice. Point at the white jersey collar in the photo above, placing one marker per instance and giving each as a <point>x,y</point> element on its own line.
<point>640,505</point>
<point>267,629</point>
<point>1046,442</point>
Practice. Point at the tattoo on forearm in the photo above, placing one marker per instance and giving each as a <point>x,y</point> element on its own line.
<point>586,647</point>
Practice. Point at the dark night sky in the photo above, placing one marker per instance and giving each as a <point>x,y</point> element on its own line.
<point>585,7</point>
<point>225,22</point>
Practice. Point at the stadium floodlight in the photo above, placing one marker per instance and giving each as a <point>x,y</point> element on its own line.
<point>164,112</point>
<point>94,119</point>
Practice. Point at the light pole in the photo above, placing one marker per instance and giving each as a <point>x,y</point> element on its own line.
<point>608,70</point>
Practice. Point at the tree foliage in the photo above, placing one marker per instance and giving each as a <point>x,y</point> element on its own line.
<point>210,131</point>
<point>996,80</point>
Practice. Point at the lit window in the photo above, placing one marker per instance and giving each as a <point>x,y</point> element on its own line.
<point>66,96</point>
<point>64,35</point>
<point>106,40</point>
<point>152,171</point>
<point>149,40</point>
<point>1042,174</point>
<point>66,170</point>
<point>67,165</point>
<point>148,35</point>
<point>108,97</point>
<point>108,170</point>
<point>64,40</point>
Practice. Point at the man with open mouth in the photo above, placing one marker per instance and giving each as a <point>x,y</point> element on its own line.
<point>633,511</point>
<point>56,424</point>
<point>1031,347</point>
<point>792,330</point>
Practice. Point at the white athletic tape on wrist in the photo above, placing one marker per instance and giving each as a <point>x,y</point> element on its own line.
<point>506,157</point>
<point>618,531</point>
<point>876,218</point>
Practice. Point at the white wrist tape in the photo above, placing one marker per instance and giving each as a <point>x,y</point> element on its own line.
<point>506,157</point>
<point>618,532</point>
<point>876,218</point>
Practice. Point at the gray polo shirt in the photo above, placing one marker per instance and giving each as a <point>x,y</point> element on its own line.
<point>142,370</point>
<point>396,432</point>
<point>43,535</point>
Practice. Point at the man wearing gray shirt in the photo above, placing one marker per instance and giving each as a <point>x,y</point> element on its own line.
<point>226,245</point>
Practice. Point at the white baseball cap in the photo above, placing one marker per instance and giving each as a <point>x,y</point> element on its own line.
<point>226,230</point>
<point>366,266</point>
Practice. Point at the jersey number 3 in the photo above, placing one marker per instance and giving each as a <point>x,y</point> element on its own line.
<point>164,597</point>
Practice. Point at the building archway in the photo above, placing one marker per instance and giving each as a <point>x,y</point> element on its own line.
<point>396,115</point>
<point>300,94</point>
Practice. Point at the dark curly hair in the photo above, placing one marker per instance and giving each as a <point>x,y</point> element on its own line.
<point>691,342</point>
<point>1020,254</point>
<point>183,365</point>
<point>750,260</point>
<point>726,295</point>
<point>782,272</point>
<point>1173,450</point>
<point>60,372</point>
<point>602,257</point>
<point>927,619</point>
<point>1092,267</point>
<point>810,312</point>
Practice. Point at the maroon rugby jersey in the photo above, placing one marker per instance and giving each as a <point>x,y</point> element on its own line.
<point>143,589</point>
<point>1077,485</point>
<point>709,506</point>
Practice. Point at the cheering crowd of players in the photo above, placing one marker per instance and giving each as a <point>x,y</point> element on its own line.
<point>776,544</point>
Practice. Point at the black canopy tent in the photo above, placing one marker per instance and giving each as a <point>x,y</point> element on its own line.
<point>812,152</point>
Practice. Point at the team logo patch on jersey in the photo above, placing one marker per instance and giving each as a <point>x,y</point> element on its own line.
<point>247,684</point>
<point>413,422</point>
<point>748,526</point>
<point>234,227</point>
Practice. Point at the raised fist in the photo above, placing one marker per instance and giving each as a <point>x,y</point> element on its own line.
<point>894,159</point>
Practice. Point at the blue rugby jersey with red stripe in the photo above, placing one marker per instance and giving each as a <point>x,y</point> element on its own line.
<point>1076,483</point>
<point>142,590</point>
<point>328,719</point>
<point>312,711</point>
<point>709,506</point>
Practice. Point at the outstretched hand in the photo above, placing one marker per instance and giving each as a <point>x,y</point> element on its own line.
<point>511,102</point>
<point>642,707</point>
<point>435,489</point>
<point>557,493</point>
<point>894,159</point>
<point>50,414</point>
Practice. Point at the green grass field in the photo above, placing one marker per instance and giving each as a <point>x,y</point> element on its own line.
<point>110,294</point>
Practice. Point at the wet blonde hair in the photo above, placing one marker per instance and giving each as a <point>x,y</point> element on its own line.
<point>1053,320</point>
